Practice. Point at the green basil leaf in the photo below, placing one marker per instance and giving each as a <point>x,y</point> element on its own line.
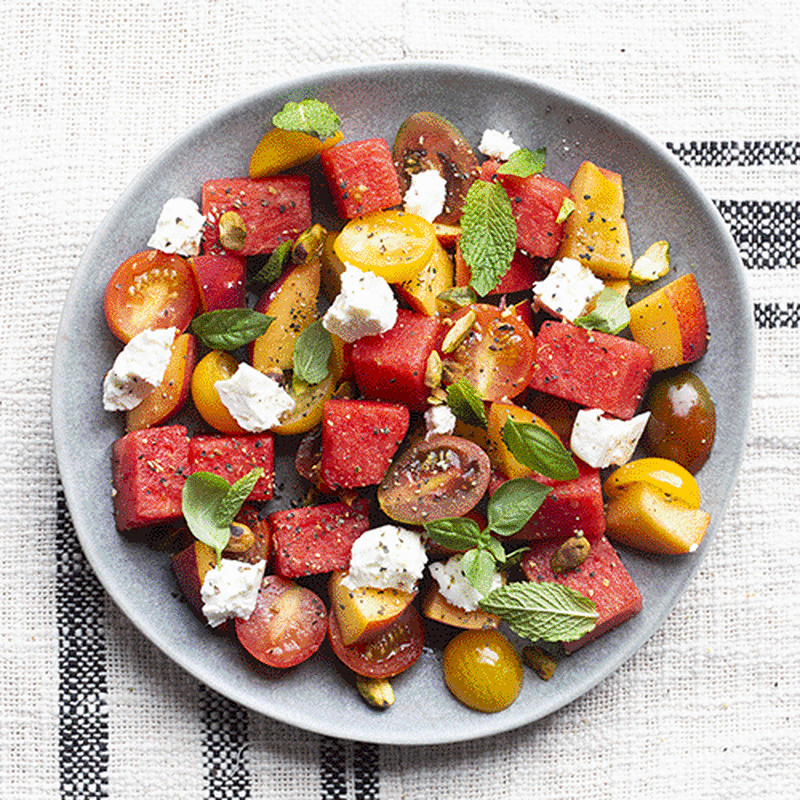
<point>478,566</point>
<point>276,262</point>
<point>488,234</point>
<point>312,351</point>
<point>230,505</point>
<point>455,533</point>
<point>609,315</point>
<point>515,556</point>
<point>230,328</point>
<point>309,116</point>
<point>466,403</point>
<point>514,503</point>
<point>539,450</point>
<point>548,611</point>
<point>201,496</point>
<point>523,163</point>
<point>496,549</point>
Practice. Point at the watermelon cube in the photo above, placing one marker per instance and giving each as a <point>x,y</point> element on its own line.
<point>592,369</point>
<point>391,366</point>
<point>361,177</point>
<point>359,439</point>
<point>149,468</point>
<point>602,578</point>
<point>316,539</point>
<point>274,210</point>
<point>233,457</point>
<point>220,279</point>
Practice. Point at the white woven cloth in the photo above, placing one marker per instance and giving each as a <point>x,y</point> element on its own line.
<point>92,91</point>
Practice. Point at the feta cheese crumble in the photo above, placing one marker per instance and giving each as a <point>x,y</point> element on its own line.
<point>454,585</point>
<point>231,590</point>
<point>602,441</point>
<point>138,370</point>
<point>439,420</point>
<point>388,557</point>
<point>255,400</point>
<point>497,144</point>
<point>179,228</point>
<point>568,289</point>
<point>365,306</point>
<point>426,194</point>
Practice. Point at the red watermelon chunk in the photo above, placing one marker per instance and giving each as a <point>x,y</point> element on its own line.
<point>274,210</point>
<point>221,280</point>
<point>359,439</point>
<point>233,457</point>
<point>317,539</point>
<point>602,578</point>
<point>361,177</point>
<point>391,366</point>
<point>149,468</point>
<point>536,202</point>
<point>575,505</point>
<point>592,369</point>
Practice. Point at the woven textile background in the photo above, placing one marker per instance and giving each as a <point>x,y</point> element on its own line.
<point>91,92</point>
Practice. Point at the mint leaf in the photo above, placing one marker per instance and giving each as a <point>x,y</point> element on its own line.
<point>231,503</point>
<point>466,403</point>
<point>609,315</point>
<point>548,611</point>
<point>308,116</point>
<point>488,234</point>
<point>312,351</point>
<point>478,566</point>
<point>454,533</point>
<point>230,328</point>
<point>514,503</point>
<point>272,270</point>
<point>523,163</point>
<point>539,450</point>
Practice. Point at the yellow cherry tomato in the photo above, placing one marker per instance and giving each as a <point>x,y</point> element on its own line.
<point>392,244</point>
<point>483,670</point>
<point>660,473</point>
<point>216,366</point>
<point>280,150</point>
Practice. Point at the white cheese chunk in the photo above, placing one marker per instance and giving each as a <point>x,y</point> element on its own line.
<point>138,370</point>
<point>497,144</point>
<point>426,194</point>
<point>454,585</point>
<point>365,306</point>
<point>568,289</point>
<point>602,441</point>
<point>255,400</point>
<point>388,557</point>
<point>231,590</point>
<point>179,228</point>
<point>439,420</point>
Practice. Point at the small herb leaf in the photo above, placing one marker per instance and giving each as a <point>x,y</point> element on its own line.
<point>231,503</point>
<point>514,503</point>
<point>488,234</point>
<point>478,566</point>
<point>538,449</point>
<point>230,328</point>
<point>276,262</point>
<point>523,163</point>
<point>312,351</point>
<point>455,533</point>
<point>548,611</point>
<point>466,403</point>
<point>308,116</point>
<point>609,315</point>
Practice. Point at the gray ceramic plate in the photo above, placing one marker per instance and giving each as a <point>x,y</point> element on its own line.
<point>662,203</point>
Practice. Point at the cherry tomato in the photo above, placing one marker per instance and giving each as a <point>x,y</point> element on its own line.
<point>683,420</point>
<point>443,476</point>
<point>661,473</point>
<point>288,625</point>
<point>150,290</point>
<point>483,670</point>
<point>497,354</point>
<point>392,244</point>
<point>215,366</point>
<point>394,650</point>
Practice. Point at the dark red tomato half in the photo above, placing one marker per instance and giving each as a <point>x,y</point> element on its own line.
<point>150,290</point>
<point>393,651</point>
<point>288,625</point>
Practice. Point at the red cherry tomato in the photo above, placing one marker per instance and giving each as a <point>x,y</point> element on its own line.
<point>288,625</point>
<point>394,650</point>
<point>150,290</point>
<point>497,355</point>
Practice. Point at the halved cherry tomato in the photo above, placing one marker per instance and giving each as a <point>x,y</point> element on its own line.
<point>280,150</point>
<point>661,473</point>
<point>150,290</point>
<point>497,355</point>
<point>392,244</point>
<point>394,650</point>
<point>215,366</point>
<point>288,625</point>
<point>443,476</point>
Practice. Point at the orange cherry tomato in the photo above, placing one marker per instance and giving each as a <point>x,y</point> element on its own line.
<point>150,290</point>
<point>216,366</point>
